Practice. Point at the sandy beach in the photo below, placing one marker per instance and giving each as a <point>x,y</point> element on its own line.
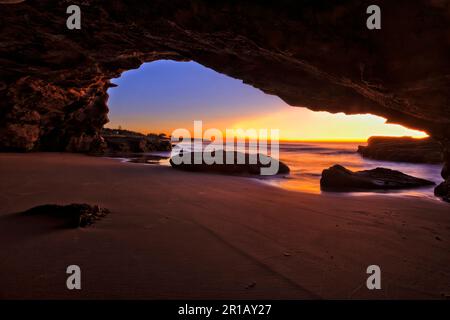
<point>174,234</point>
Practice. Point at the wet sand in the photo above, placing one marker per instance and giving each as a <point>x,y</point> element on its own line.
<point>174,234</point>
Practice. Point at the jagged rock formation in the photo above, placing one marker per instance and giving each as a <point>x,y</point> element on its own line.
<point>404,149</point>
<point>338,178</point>
<point>316,54</point>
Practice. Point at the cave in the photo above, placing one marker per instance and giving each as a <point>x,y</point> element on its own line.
<point>54,81</point>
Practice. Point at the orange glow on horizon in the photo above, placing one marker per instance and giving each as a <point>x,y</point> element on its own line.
<point>294,124</point>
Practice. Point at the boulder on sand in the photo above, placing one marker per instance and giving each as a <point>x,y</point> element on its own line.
<point>338,178</point>
<point>72,216</point>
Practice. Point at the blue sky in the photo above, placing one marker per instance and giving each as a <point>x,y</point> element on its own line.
<point>164,95</point>
<point>165,92</point>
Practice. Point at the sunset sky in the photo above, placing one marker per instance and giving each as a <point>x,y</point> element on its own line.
<point>165,95</point>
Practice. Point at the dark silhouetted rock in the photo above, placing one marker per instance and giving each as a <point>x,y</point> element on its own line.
<point>338,178</point>
<point>72,215</point>
<point>404,149</point>
<point>443,190</point>
<point>232,169</point>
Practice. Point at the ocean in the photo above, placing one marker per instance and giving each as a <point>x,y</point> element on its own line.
<point>307,160</point>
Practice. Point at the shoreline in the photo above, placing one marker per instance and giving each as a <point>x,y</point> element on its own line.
<point>174,234</point>
<point>282,181</point>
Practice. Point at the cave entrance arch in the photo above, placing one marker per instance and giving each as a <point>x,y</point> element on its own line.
<point>164,95</point>
<point>54,82</point>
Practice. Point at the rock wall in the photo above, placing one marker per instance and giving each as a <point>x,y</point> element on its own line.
<point>316,54</point>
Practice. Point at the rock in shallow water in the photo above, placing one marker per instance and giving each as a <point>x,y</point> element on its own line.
<point>232,167</point>
<point>338,178</point>
<point>404,149</point>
